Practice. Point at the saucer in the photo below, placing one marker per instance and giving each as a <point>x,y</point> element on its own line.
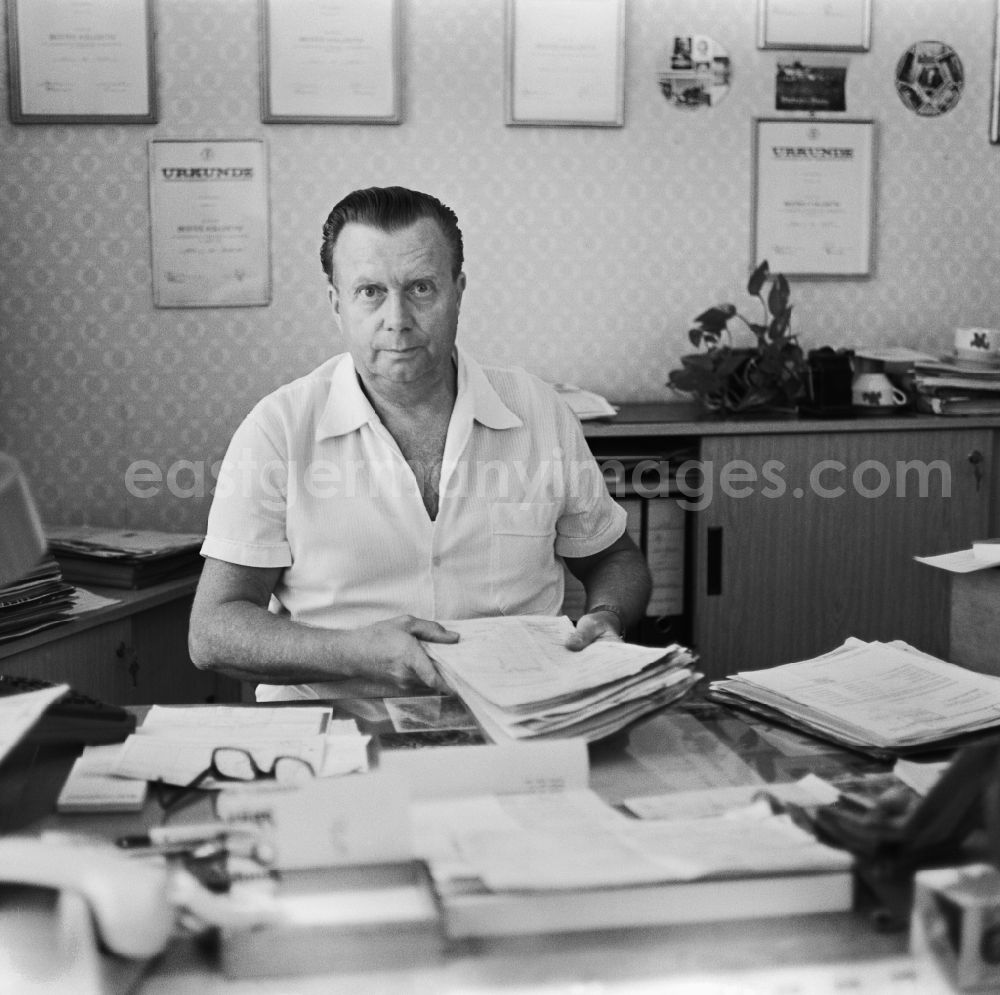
<point>879,410</point>
<point>968,363</point>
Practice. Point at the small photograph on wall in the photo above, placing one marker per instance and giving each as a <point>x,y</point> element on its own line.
<point>697,72</point>
<point>930,78</point>
<point>816,85</point>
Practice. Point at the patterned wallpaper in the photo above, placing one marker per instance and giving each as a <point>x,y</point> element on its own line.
<point>588,250</point>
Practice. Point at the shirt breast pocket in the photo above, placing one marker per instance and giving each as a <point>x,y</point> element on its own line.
<point>524,574</point>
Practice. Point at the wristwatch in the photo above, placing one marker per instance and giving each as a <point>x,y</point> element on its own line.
<point>617,612</point>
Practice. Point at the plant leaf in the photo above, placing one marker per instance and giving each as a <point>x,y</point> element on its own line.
<point>779,327</point>
<point>777,299</point>
<point>715,318</point>
<point>757,279</point>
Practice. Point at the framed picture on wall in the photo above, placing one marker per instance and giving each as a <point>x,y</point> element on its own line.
<point>330,62</point>
<point>565,62</point>
<point>76,63</point>
<point>209,223</point>
<point>840,25</point>
<point>813,196</point>
<point>995,103</point>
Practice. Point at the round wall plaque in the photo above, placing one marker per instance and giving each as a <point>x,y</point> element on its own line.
<point>930,78</point>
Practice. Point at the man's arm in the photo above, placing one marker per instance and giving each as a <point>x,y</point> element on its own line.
<point>232,632</point>
<point>617,577</point>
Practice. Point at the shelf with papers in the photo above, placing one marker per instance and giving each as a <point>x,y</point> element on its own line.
<point>130,650</point>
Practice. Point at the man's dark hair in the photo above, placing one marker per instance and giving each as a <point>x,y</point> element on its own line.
<point>390,209</point>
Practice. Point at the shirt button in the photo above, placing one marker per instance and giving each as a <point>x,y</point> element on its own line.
<point>436,561</point>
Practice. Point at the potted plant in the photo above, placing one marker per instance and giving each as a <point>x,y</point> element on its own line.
<point>768,376</point>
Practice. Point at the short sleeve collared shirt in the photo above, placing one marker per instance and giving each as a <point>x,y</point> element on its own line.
<point>313,482</point>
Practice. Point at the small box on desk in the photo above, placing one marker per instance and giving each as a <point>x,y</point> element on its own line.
<point>956,923</point>
<point>974,622</point>
<point>973,619</point>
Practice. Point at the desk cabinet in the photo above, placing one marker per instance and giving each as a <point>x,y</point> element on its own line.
<point>132,652</point>
<point>803,533</point>
<point>788,567</point>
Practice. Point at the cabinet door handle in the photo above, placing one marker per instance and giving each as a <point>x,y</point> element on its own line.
<point>976,459</point>
<point>713,569</point>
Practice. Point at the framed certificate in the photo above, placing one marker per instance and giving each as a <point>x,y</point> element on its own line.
<point>566,62</point>
<point>813,196</point>
<point>209,223</point>
<point>74,62</point>
<point>995,102</point>
<point>330,62</point>
<point>842,25</point>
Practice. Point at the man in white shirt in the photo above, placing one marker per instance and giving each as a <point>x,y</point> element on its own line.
<point>399,484</point>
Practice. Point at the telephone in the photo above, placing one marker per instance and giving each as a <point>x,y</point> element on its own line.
<point>127,898</point>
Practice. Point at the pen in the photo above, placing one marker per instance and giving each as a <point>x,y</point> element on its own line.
<point>203,832</point>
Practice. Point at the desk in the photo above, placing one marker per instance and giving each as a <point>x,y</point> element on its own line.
<point>131,652</point>
<point>806,955</point>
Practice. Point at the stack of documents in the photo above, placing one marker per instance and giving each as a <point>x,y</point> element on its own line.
<point>125,558</point>
<point>36,601</point>
<point>520,681</point>
<point>565,861</point>
<point>174,744</point>
<point>883,698</point>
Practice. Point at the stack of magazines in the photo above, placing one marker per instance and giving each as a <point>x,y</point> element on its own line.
<point>36,601</point>
<point>519,680</point>
<point>123,558</point>
<point>885,699</point>
<point>954,386</point>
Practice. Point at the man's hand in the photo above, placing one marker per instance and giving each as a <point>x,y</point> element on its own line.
<point>393,646</point>
<point>599,625</point>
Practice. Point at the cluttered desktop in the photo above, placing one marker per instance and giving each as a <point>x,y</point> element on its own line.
<point>402,844</point>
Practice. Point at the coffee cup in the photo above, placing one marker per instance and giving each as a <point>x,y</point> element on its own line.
<point>875,390</point>
<point>978,344</point>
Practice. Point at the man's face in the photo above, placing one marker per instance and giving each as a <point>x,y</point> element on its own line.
<point>397,302</point>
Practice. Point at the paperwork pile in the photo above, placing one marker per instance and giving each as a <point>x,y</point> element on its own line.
<point>36,601</point>
<point>883,698</point>
<point>123,558</point>
<point>566,861</point>
<point>520,681</point>
<point>174,744</point>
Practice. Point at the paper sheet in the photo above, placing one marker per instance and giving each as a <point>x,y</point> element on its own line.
<point>881,693</point>
<point>714,802</point>
<point>19,712</point>
<point>215,722</point>
<point>964,561</point>
<point>573,840</point>
<point>175,743</point>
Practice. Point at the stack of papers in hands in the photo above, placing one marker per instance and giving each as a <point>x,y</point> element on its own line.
<point>519,680</point>
<point>883,698</point>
